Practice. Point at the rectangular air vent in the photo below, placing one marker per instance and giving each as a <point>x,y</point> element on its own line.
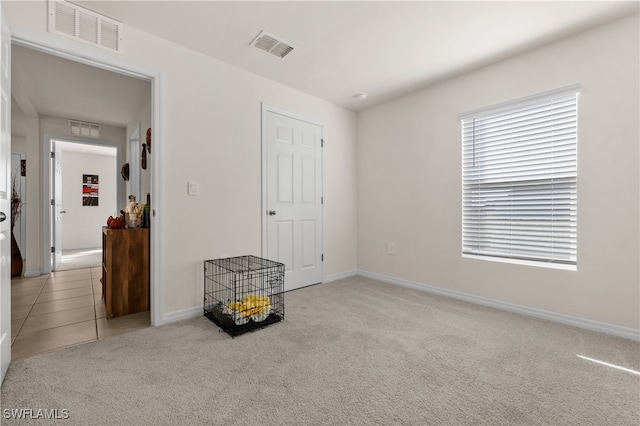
<point>75,22</point>
<point>272,44</point>
<point>87,130</point>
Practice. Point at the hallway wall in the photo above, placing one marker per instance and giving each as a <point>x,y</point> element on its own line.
<point>82,225</point>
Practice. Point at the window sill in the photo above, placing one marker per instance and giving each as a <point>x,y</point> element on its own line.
<point>523,262</point>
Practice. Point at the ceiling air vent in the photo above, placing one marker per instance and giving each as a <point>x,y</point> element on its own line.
<point>75,22</point>
<point>272,44</point>
<point>80,128</point>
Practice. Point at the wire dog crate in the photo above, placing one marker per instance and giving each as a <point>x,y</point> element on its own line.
<point>243,293</point>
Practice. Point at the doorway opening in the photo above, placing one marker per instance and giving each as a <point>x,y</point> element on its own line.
<point>43,289</point>
<point>85,191</point>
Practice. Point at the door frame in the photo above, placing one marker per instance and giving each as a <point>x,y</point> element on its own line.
<point>94,57</point>
<point>47,195</point>
<point>266,108</point>
<point>5,200</point>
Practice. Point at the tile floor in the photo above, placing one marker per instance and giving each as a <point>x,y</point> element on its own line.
<point>62,309</point>
<point>80,259</point>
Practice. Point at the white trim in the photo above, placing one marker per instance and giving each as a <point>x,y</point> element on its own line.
<point>276,110</point>
<point>591,325</point>
<point>538,264</point>
<point>183,314</point>
<point>30,273</point>
<point>157,202</point>
<point>45,194</point>
<point>340,276</point>
<point>91,56</point>
<point>587,324</point>
<point>88,55</point>
<point>566,90</point>
<point>263,161</point>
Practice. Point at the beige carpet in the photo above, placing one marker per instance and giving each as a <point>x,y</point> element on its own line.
<point>351,352</point>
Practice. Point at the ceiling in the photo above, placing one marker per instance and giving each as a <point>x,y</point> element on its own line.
<point>42,84</point>
<point>385,48</point>
<point>341,48</point>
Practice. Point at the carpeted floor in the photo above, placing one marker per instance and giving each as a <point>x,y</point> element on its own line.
<point>350,352</point>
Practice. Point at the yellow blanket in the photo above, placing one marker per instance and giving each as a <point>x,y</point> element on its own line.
<point>251,304</point>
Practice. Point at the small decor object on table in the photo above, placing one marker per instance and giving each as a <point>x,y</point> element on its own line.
<point>243,293</point>
<point>133,213</point>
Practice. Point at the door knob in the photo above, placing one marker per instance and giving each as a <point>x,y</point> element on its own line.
<point>2,217</point>
<point>272,212</point>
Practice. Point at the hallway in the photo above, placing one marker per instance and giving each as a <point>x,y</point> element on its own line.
<point>62,309</point>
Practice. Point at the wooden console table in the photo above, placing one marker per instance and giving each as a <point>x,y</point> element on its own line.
<point>125,271</point>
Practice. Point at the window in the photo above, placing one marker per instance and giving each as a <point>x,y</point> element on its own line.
<point>520,177</point>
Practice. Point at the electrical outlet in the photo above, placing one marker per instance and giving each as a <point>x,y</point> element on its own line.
<point>391,248</point>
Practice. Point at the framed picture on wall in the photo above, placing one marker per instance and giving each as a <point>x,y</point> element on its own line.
<point>89,190</point>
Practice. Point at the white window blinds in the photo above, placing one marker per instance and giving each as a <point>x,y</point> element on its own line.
<point>520,177</point>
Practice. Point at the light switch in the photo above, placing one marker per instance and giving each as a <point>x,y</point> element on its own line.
<point>193,188</point>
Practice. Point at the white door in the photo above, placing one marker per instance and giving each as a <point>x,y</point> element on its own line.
<point>56,213</point>
<point>5,197</point>
<point>294,197</point>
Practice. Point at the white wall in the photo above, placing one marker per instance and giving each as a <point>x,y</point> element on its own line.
<point>409,180</point>
<point>212,134</point>
<point>27,141</point>
<point>212,123</point>
<point>18,143</point>
<point>82,225</point>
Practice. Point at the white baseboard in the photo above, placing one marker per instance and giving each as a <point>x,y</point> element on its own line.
<point>602,327</point>
<point>340,276</point>
<point>32,273</point>
<point>197,311</point>
<point>182,314</point>
<point>587,324</point>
